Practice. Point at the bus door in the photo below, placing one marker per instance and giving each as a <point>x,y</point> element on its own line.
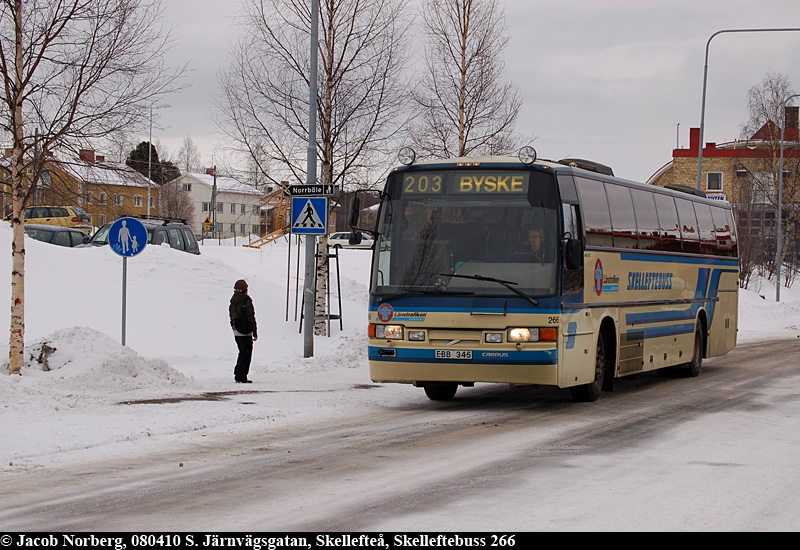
<point>576,345</point>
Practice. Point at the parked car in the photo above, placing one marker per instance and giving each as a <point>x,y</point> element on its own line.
<point>64,216</point>
<point>175,233</point>
<point>54,234</point>
<point>342,240</point>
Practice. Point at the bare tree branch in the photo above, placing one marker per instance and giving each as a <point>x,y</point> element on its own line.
<point>73,71</point>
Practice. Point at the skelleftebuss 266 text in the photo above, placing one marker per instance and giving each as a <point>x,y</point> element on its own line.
<point>258,542</point>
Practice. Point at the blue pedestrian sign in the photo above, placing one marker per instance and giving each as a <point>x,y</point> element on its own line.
<point>309,215</point>
<point>127,237</point>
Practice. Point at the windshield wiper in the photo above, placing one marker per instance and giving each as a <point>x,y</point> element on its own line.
<point>422,291</point>
<point>508,284</point>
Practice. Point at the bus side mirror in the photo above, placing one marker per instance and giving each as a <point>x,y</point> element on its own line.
<point>355,210</point>
<point>574,254</point>
<point>355,238</point>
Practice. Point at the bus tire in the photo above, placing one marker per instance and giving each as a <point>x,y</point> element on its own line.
<point>692,369</point>
<point>586,393</point>
<point>440,392</point>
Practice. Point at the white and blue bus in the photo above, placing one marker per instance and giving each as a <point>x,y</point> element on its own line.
<point>522,271</point>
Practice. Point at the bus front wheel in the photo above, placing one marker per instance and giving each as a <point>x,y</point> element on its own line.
<point>590,392</point>
<point>440,392</point>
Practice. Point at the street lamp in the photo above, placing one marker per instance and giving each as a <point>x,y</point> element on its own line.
<point>150,151</point>
<point>778,258</point>
<point>703,105</point>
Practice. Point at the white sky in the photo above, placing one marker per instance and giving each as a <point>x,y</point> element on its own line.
<point>607,80</point>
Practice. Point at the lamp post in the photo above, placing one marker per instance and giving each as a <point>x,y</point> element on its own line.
<point>703,104</point>
<point>309,280</point>
<point>778,215</point>
<point>150,151</point>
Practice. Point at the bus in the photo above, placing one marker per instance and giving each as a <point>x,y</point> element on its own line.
<point>522,271</point>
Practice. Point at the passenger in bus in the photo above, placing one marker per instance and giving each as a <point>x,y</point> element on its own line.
<point>534,250</point>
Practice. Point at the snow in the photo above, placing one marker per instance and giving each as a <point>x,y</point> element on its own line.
<point>180,348</point>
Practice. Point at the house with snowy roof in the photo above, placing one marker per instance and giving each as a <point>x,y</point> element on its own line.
<point>106,190</point>
<point>234,210</point>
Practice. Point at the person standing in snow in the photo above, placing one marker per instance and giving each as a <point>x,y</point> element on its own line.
<point>243,322</point>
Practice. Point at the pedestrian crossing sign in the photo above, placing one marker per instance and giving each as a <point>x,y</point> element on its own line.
<point>309,215</point>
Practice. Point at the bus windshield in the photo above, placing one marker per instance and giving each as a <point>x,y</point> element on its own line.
<point>488,232</point>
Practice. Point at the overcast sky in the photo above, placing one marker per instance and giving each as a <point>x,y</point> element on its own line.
<point>616,81</point>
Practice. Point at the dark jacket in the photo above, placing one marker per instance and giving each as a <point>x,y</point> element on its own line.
<point>243,314</point>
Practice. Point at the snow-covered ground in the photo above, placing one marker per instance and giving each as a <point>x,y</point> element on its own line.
<point>179,344</point>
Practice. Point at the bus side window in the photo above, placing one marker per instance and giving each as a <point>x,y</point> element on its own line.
<point>722,232</point>
<point>596,215</point>
<point>705,226</point>
<point>668,220</point>
<point>688,221</point>
<point>646,220</point>
<point>732,229</point>
<point>622,217</point>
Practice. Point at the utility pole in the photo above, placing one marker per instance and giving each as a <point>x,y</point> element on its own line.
<point>309,282</point>
<point>214,203</point>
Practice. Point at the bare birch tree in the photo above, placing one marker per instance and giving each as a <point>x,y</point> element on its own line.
<point>189,156</point>
<point>465,105</point>
<point>360,101</point>
<point>73,71</point>
<point>758,200</point>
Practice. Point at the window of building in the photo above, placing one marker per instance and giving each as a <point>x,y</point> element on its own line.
<point>152,201</point>
<point>233,208</point>
<point>103,198</point>
<point>117,199</point>
<point>242,230</point>
<point>219,207</point>
<point>255,210</point>
<point>255,229</point>
<point>137,201</point>
<point>233,228</point>
<point>187,186</point>
<point>714,181</point>
<point>102,219</point>
<point>244,206</point>
<point>88,197</point>
<point>206,206</point>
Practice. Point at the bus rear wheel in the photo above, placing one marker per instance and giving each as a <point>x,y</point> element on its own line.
<point>693,367</point>
<point>440,392</point>
<point>590,392</point>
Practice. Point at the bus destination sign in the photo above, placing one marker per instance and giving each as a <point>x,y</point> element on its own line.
<point>463,183</point>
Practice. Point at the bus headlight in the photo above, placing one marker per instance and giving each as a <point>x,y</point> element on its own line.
<point>523,335</point>
<point>416,335</point>
<point>389,332</point>
<point>494,337</point>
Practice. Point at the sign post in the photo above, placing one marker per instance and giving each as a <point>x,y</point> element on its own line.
<point>127,237</point>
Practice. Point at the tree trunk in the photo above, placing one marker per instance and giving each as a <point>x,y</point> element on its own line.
<point>16,341</point>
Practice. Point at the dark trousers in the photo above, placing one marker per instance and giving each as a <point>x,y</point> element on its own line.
<point>242,368</point>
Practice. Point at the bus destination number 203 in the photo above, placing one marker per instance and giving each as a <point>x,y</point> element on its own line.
<point>453,354</point>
